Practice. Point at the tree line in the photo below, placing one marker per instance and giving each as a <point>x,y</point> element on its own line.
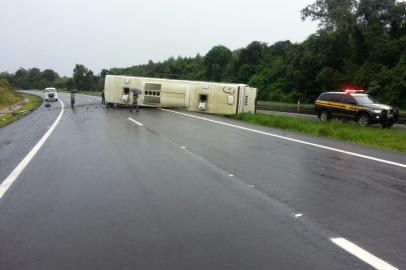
<point>83,79</point>
<point>359,44</point>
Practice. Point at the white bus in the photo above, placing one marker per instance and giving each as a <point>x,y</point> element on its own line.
<point>209,97</point>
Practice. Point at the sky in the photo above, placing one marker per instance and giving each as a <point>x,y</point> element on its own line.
<point>58,34</point>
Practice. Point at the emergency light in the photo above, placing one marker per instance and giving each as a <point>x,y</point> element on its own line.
<point>349,91</point>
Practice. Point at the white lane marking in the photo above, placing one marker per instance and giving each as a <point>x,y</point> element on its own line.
<point>251,186</point>
<point>362,254</point>
<point>132,120</point>
<point>292,140</point>
<point>297,215</point>
<point>231,175</point>
<point>183,147</point>
<point>8,182</point>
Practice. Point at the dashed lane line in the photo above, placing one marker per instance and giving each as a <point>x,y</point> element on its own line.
<point>136,122</point>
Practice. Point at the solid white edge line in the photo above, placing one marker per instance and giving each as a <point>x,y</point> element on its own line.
<point>132,120</point>
<point>292,140</point>
<point>362,254</point>
<point>8,182</point>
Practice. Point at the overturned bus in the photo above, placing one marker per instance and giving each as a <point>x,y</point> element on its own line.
<point>209,97</point>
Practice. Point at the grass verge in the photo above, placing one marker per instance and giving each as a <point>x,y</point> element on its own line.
<point>8,96</point>
<point>32,103</point>
<point>388,139</point>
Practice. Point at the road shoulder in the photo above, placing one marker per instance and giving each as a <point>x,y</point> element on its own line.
<point>13,113</point>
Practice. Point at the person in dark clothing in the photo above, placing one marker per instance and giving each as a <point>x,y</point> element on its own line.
<point>102,96</point>
<point>72,98</point>
<point>135,101</point>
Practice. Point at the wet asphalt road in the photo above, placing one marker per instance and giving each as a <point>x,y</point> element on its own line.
<point>182,193</point>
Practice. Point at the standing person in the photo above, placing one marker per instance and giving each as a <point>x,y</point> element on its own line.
<point>102,96</point>
<point>72,98</point>
<point>135,100</point>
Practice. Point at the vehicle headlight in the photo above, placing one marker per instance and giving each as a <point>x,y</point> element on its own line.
<point>377,111</point>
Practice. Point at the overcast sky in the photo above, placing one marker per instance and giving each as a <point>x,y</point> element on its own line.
<point>100,34</point>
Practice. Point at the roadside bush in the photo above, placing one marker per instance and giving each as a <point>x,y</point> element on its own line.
<point>8,96</point>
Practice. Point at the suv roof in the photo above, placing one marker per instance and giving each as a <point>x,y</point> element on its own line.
<point>344,93</point>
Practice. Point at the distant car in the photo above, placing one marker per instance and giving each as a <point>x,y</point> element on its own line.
<point>357,106</point>
<point>51,94</point>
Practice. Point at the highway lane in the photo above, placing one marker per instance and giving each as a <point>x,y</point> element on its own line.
<point>350,196</point>
<point>180,193</point>
<point>18,138</point>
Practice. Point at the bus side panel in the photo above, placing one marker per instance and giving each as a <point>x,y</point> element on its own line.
<point>225,101</point>
<point>201,89</point>
<point>173,94</point>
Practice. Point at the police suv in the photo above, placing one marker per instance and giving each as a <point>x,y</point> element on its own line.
<point>357,106</point>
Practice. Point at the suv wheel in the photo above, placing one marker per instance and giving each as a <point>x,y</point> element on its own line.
<point>324,115</point>
<point>363,120</point>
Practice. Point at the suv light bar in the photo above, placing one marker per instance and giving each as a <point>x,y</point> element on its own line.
<point>348,91</point>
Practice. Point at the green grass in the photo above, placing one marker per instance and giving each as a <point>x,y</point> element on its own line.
<point>33,103</point>
<point>8,96</point>
<point>388,139</point>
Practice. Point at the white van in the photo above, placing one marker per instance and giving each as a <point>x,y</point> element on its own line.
<point>50,94</point>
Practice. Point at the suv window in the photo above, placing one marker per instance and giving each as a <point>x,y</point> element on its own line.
<point>348,99</point>
<point>339,97</point>
<point>335,97</point>
<point>325,97</point>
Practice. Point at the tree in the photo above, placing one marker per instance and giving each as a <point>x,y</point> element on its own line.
<point>49,75</point>
<point>84,79</point>
<point>331,14</point>
<point>215,61</point>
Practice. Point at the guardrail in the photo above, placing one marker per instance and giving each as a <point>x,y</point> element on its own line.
<point>303,109</point>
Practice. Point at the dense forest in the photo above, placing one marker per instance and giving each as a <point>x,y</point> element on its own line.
<point>359,43</point>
